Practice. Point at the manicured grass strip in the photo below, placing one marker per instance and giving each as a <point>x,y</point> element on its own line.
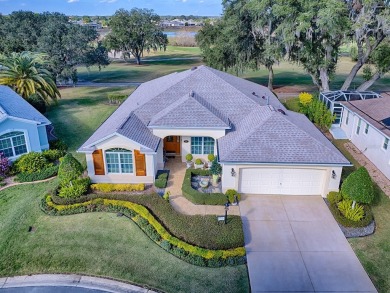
<point>199,230</point>
<point>145,220</point>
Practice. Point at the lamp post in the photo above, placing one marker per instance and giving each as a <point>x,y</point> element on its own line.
<point>226,210</point>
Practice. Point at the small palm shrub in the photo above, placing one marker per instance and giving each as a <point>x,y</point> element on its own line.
<point>75,188</point>
<point>231,194</point>
<point>216,168</point>
<point>31,163</point>
<point>354,214</point>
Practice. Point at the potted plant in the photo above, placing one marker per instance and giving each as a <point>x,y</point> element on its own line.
<point>199,164</point>
<point>189,158</point>
<point>216,170</point>
<point>210,157</point>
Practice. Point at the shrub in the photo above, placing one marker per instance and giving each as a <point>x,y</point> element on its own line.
<point>31,162</point>
<point>116,98</point>
<point>197,197</point>
<point>110,187</point>
<point>189,157</point>
<point>53,155</point>
<point>231,195</point>
<point>160,183</point>
<point>341,219</point>
<point>4,166</point>
<point>305,99</point>
<point>75,188</point>
<point>210,157</point>
<point>163,176</point>
<point>334,197</point>
<point>358,187</point>
<point>354,214</point>
<point>70,169</point>
<point>58,145</point>
<point>216,168</point>
<point>198,162</point>
<point>318,113</point>
<point>42,175</point>
<point>166,196</point>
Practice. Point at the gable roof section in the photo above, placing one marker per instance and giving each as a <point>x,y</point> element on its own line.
<point>13,105</point>
<point>190,111</point>
<point>272,137</point>
<point>374,111</point>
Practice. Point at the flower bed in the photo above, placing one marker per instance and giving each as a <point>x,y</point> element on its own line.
<point>148,223</point>
<point>197,197</point>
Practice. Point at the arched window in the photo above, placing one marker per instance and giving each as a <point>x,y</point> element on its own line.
<point>119,161</point>
<point>13,144</point>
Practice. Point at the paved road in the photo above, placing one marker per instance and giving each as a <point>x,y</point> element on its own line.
<point>294,245</point>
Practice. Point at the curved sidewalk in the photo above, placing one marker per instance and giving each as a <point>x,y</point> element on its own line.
<point>24,183</point>
<point>61,280</point>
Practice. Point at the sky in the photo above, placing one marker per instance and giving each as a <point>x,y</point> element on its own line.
<point>108,7</point>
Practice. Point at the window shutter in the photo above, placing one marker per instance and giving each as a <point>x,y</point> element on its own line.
<point>98,162</point>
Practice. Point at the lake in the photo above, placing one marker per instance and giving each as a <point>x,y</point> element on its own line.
<point>179,33</point>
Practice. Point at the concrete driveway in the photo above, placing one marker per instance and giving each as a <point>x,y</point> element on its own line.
<point>294,245</point>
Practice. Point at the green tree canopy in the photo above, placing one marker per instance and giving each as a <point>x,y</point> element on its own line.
<point>135,31</point>
<point>25,73</point>
<point>67,45</point>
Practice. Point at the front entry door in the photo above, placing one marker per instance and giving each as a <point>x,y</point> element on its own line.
<point>140,164</point>
<point>172,144</point>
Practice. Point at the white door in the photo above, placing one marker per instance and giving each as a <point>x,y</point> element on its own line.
<point>282,181</point>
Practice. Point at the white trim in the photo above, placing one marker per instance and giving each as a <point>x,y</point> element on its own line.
<point>286,164</point>
<point>120,168</point>
<point>26,138</point>
<point>110,136</point>
<point>24,120</point>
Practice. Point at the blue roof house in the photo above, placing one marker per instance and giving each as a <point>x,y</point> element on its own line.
<point>22,127</point>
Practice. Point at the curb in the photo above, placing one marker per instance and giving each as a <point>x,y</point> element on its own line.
<point>87,282</point>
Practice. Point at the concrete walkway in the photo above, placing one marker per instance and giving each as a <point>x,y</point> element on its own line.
<point>294,244</point>
<point>101,284</point>
<point>180,203</point>
<point>24,183</point>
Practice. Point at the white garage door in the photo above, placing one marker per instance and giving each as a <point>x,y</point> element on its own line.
<point>282,181</point>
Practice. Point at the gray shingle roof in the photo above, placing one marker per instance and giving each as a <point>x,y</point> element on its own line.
<point>188,112</point>
<point>373,111</point>
<point>15,106</point>
<point>256,132</point>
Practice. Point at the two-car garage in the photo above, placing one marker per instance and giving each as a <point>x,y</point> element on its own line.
<point>284,181</point>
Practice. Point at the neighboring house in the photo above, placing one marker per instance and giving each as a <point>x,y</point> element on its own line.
<point>367,124</point>
<point>263,148</point>
<point>22,127</point>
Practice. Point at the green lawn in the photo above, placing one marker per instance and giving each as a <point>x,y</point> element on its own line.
<point>96,244</point>
<point>79,113</point>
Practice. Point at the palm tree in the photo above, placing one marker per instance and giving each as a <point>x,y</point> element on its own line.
<point>25,73</point>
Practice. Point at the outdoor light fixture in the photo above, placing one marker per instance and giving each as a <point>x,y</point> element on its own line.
<point>333,174</point>
<point>233,172</point>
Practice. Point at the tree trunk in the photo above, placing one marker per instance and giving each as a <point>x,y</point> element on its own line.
<point>270,77</point>
<point>364,86</point>
<point>138,59</point>
<point>351,75</point>
<point>353,204</point>
<point>315,81</point>
<point>324,79</point>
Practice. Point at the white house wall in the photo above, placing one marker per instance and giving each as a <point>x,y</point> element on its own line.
<point>232,182</point>
<point>121,142</point>
<point>370,144</point>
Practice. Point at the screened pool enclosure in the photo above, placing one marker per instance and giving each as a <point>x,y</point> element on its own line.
<point>333,100</point>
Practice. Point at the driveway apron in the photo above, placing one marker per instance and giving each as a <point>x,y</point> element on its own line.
<point>294,245</point>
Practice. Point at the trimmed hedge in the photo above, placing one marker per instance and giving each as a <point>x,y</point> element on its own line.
<point>31,162</point>
<point>70,169</point>
<point>148,223</point>
<point>110,187</point>
<point>334,197</point>
<point>44,174</point>
<point>161,181</point>
<point>53,155</point>
<point>75,188</point>
<point>197,197</point>
<point>358,187</point>
<point>198,230</point>
<point>367,219</point>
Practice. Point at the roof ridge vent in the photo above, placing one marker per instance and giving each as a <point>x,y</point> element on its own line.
<point>282,111</point>
<point>194,68</point>
<point>192,94</point>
